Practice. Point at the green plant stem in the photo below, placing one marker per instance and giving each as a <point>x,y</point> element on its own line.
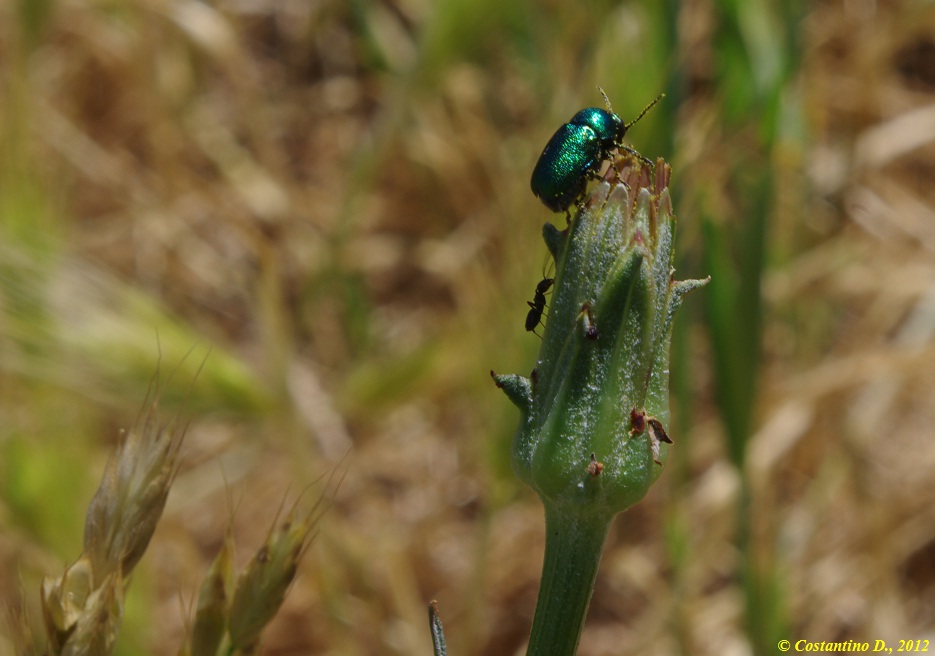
<point>573,544</point>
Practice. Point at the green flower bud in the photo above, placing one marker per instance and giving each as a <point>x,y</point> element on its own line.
<point>594,411</point>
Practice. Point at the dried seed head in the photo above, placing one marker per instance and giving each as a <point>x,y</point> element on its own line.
<point>262,586</point>
<point>95,632</point>
<point>211,612</point>
<point>127,506</point>
<point>64,600</point>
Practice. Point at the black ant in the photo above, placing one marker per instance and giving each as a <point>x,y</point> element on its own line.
<point>537,305</point>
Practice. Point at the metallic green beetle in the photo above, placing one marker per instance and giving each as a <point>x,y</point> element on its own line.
<point>575,153</point>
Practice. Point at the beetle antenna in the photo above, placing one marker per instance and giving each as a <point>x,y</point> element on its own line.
<point>606,100</point>
<point>627,126</point>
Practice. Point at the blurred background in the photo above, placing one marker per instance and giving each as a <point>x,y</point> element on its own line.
<point>325,206</point>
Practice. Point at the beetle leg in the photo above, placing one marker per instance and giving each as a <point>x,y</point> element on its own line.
<point>635,153</point>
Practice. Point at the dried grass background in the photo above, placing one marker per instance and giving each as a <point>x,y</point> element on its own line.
<point>329,202</point>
